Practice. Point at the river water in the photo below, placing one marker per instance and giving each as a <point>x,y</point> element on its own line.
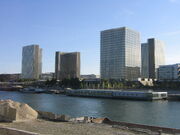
<point>158,113</point>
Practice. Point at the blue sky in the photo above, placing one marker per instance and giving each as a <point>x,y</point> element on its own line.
<point>75,25</point>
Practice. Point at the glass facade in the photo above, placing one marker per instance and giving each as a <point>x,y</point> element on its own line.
<point>120,54</point>
<point>169,72</point>
<point>144,60</point>
<point>152,57</point>
<point>31,62</point>
<point>67,65</point>
<point>159,55</point>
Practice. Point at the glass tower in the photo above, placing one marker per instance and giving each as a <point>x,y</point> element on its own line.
<point>144,60</point>
<point>152,57</point>
<point>67,65</point>
<point>120,54</point>
<point>31,62</point>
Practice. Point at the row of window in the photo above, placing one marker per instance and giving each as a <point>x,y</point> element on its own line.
<point>102,93</point>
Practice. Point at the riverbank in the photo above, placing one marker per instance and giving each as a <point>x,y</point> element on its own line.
<point>71,128</point>
<point>49,123</point>
<point>67,128</point>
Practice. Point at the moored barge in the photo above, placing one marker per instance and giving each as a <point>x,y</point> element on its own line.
<point>134,95</point>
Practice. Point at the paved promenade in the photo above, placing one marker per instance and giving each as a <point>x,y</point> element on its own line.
<point>68,128</point>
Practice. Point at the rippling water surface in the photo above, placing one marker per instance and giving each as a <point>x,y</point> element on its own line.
<point>160,113</point>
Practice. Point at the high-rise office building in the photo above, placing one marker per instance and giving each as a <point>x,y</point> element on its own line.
<point>120,54</point>
<point>144,60</point>
<point>31,62</point>
<point>67,65</point>
<point>152,54</point>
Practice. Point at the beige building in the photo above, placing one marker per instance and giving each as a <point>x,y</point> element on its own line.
<point>67,65</point>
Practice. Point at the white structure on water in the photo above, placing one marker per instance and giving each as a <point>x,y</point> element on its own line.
<point>135,95</point>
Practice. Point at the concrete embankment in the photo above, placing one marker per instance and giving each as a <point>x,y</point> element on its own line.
<point>26,121</point>
<point>9,89</point>
<point>174,97</point>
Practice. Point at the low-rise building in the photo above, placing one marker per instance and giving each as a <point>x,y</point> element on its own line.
<point>169,72</point>
<point>9,77</point>
<point>90,76</point>
<point>47,76</point>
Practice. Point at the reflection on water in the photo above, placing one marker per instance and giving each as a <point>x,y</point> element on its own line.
<point>161,113</point>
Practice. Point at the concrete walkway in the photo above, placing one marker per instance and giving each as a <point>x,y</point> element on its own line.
<point>68,128</point>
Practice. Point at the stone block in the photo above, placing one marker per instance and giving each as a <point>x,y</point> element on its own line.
<point>14,111</point>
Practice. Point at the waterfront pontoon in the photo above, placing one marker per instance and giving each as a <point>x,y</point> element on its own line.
<point>136,95</point>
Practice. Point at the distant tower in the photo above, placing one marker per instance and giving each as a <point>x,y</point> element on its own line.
<point>144,60</point>
<point>67,65</point>
<point>152,57</point>
<point>31,62</point>
<point>120,54</point>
